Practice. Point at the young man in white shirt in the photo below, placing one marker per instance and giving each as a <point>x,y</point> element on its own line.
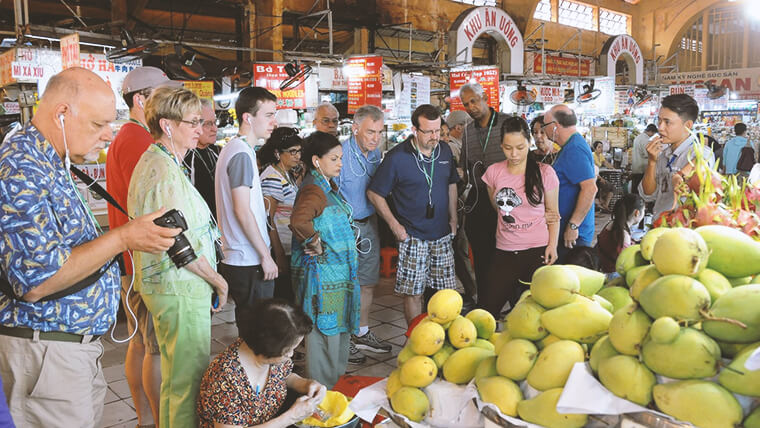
<point>248,265</point>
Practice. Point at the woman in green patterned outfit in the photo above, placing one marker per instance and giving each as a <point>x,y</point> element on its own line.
<point>324,261</point>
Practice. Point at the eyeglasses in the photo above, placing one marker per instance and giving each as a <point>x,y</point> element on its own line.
<point>430,131</point>
<point>294,152</point>
<point>194,123</point>
<point>208,124</point>
<point>547,124</point>
<point>327,120</point>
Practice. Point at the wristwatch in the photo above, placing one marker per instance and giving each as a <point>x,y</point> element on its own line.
<point>573,226</point>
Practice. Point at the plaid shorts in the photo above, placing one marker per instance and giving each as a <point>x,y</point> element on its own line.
<point>425,264</point>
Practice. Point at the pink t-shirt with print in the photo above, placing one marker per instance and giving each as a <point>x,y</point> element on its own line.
<point>520,225</point>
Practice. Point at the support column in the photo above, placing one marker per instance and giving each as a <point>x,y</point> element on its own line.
<point>361,41</point>
<point>705,40</point>
<point>745,45</point>
<point>266,31</point>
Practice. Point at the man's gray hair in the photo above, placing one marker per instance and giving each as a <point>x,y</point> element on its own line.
<point>325,106</point>
<point>475,88</point>
<point>205,102</point>
<point>565,118</point>
<point>368,111</point>
<point>457,117</point>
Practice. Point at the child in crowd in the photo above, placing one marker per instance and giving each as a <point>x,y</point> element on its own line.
<point>616,236</point>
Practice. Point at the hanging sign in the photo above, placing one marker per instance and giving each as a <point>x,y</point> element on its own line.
<point>415,92</point>
<point>6,67</point>
<point>495,22</point>
<point>270,76</point>
<point>365,82</point>
<point>203,89</point>
<point>27,71</point>
<point>623,47</point>
<point>487,77</point>
<point>744,83</point>
<point>681,89</point>
<point>562,66</point>
<point>70,51</point>
<point>548,94</point>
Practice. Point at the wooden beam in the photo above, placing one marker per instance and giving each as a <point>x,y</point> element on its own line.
<point>118,14</point>
<point>137,7</point>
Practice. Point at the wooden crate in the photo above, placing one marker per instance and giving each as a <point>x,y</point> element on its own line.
<point>616,136</point>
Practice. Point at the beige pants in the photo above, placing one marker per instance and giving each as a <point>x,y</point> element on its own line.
<point>52,384</point>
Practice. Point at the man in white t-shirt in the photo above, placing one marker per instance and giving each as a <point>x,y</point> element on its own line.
<point>248,266</point>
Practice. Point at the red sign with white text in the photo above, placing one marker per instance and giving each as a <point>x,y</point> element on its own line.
<point>365,82</point>
<point>270,76</point>
<point>562,66</point>
<point>488,78</point>
<point>70,51</point>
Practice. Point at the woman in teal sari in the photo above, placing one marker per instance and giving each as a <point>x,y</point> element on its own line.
<point>324,261</point>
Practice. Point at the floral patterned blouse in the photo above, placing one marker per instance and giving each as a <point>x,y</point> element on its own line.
<point>227,396</point>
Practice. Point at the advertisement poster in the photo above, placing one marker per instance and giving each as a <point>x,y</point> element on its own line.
<point>415,91</point>
<point>70,51</point>
<point>203,89</point>
<point>365,82</point>
<point>270,76</point>
<point>744,83</point>
<point>487,77</point>
<point>548,94</point>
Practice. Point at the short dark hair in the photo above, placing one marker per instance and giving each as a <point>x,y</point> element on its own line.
<point>129,98</point>
<point>428,111</point>
<point>651,128</point>
<point>250,99</point>
<point>596,143</point>
<point>565,118</point>
<point>740,128</point>
<point>538,120</point>
<point>683,105</point>
<point>282,138</point>
<point>272,326</point>
<point>317,144</point>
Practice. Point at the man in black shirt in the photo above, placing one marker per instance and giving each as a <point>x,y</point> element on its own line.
<point>201,161</point>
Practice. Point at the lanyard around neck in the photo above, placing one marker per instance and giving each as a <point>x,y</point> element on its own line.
<point>182,166</point>
<point>428,178</point>
<point>140,123</point>
<point>488,136</point>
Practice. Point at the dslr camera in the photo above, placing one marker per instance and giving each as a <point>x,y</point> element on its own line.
<point>181,252</point>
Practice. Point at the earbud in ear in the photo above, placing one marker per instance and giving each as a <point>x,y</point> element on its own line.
<point>169,131</point>
<point>139,101</point>
<point>316,163</point>
<point>60,118</point>
<point>250,122</point>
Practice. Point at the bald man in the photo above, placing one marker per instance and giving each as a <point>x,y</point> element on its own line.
<point>59,285</point>
<point>577,180</point>
<point>326,118</point>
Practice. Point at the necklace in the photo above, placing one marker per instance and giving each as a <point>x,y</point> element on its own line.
<point>182,165</point>
<point>488,136</point>
<point>139,123</point>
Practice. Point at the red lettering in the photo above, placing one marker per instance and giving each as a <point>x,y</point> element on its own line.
<point>743,84</point>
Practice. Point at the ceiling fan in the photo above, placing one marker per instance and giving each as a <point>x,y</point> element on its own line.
<point>183,66</point>
<point>522,96</point>
<point>641,96</point>
<point>589,93</point>
<point>297,74</point>
<point>131,50</point>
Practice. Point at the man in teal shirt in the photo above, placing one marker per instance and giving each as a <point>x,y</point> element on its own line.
<point>733,148</point>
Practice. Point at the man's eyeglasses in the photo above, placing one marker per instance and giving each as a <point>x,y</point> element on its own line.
<point>430,131</point>
<point>194,123</point>
<point>547,124</point>
<point>327,120</point>
<point>208,124</point>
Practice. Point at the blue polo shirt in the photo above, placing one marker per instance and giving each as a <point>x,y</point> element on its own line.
<point>355,175</point>
<point>401,175</point>
<point>43,219</point>
<point>575,164</point>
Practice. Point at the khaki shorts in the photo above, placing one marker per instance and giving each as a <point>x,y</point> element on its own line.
<point>52,384</point>
<point>146,334</point>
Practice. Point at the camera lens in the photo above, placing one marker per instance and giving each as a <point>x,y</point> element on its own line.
<point>181,252</point>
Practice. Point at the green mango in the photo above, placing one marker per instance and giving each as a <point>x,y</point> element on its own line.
<point>680,251</point>
<point>627,378</point>
<point>516,358</point>
<point>739,304</point>
<point>715,283</point>
<point>676,296</point>
<point>554,285</point>
<point>524,321</point>
<point>601,350</point>
<point>591,281</point>
<point>628,328</point>
<point>633,273</point>
<point>742,280</point>
<point>618,296</point>
<point>554,363</point>
<point>737,378</point>
<point>629,258</point>
<point>647,242</point>
<point>753,419</point>
<point>704,404</point>
<point>583,320</point>
<point>692,355</point>
<point>542,410</point>
<point>732,252</point>
<point>664,330</point>
<point>643,280</point>
<point>603,303</point>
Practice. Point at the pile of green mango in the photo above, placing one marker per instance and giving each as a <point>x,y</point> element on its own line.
<point>686,309</point>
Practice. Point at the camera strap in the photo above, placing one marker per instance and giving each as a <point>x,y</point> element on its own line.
<point>6,287</point>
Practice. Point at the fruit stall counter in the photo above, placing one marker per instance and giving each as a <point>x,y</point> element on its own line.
<point>672,334</point>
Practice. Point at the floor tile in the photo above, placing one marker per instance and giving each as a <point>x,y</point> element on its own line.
<point>121,388</point>
<point>387,315</point>
<point>114,373</point>
<point>379,370</point>
<point>398,340</point>
<point>117,412</point>
<point>111,396</point>
<point>390,300</point>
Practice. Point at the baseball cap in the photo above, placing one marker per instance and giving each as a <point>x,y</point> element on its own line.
<point>146,77</point>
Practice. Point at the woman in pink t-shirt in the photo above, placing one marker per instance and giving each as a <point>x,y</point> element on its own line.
<point>522,190</point>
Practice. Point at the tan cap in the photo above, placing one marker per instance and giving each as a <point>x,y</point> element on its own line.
<point>146,77</point>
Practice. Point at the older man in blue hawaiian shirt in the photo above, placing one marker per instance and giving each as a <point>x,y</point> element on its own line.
<point>49,337</point>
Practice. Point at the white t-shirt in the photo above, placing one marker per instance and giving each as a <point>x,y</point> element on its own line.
<point>237,167</point>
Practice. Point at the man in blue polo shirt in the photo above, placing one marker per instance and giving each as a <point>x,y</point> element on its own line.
<point>361,157</point>
<point>577,180</point>
<point>420,175</point>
